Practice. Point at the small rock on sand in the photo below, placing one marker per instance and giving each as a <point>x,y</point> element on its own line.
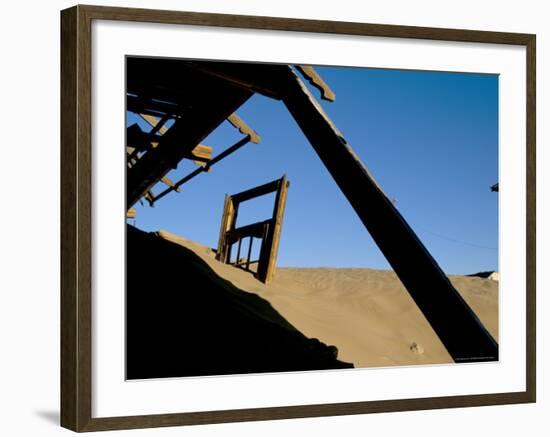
<point>416,349</point>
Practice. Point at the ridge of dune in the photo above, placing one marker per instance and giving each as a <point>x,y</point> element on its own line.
<point>366,313</point>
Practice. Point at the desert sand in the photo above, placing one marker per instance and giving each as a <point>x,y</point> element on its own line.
<point>367,314</point>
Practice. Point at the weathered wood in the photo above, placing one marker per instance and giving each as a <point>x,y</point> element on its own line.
<point>317,81</point>
<point>268,231</point>
<point>167,181</point>
<point>202,152</point>
<point>70,350</point>
<point>457,326</point>
<point>227,220</point>
<point>258,191</point>
<point>270,243</point>
<point>153,122</point>
<point>255,230</point>
<point>243,128</point>
<point>249,254</point>
<point>278,214</point>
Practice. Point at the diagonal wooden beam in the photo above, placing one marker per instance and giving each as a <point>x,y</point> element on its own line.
<point>457,326</point>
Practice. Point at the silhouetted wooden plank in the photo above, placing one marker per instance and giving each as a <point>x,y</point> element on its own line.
<point>460,330</point>
<point>226,224</point>
<point>243,128</point>
<point>260,190</point>
<point>254,229</point>
<point>202,153</point>
<point>278,214</point>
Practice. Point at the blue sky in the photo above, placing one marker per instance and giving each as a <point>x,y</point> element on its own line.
<point>429,138</point>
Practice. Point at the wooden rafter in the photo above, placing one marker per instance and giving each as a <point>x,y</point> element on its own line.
<point>317,81</point>
<point>243,128</point>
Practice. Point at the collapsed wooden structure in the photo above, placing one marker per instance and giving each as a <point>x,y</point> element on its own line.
<point>267,231</point>
<point>197,96</point>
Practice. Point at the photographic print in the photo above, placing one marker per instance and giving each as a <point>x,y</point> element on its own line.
<point>270,218</point>
<point>284,218</point>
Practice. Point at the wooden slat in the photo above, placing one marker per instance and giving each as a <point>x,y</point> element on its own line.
<point>260,190</point>
<point>230,150</point>
<point>243,128</point>
<point>153,121</point>
<point>226,223</point>
<point>253,229</point>
<point>278,214</point>
<point>317,81</point>
<point>167,181</point>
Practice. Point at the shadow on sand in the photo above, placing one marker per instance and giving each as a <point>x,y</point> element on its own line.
<point>182,319</point>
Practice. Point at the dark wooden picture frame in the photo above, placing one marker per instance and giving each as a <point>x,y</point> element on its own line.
<point>76,217</point>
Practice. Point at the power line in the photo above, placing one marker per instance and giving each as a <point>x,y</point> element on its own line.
<point>454,240</point>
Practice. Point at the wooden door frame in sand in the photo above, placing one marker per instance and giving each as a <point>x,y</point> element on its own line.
<point>269,230</point>
<point>76,221</point>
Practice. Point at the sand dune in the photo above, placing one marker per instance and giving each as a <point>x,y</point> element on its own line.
<point>184,319</point>
<point>367,314</point>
